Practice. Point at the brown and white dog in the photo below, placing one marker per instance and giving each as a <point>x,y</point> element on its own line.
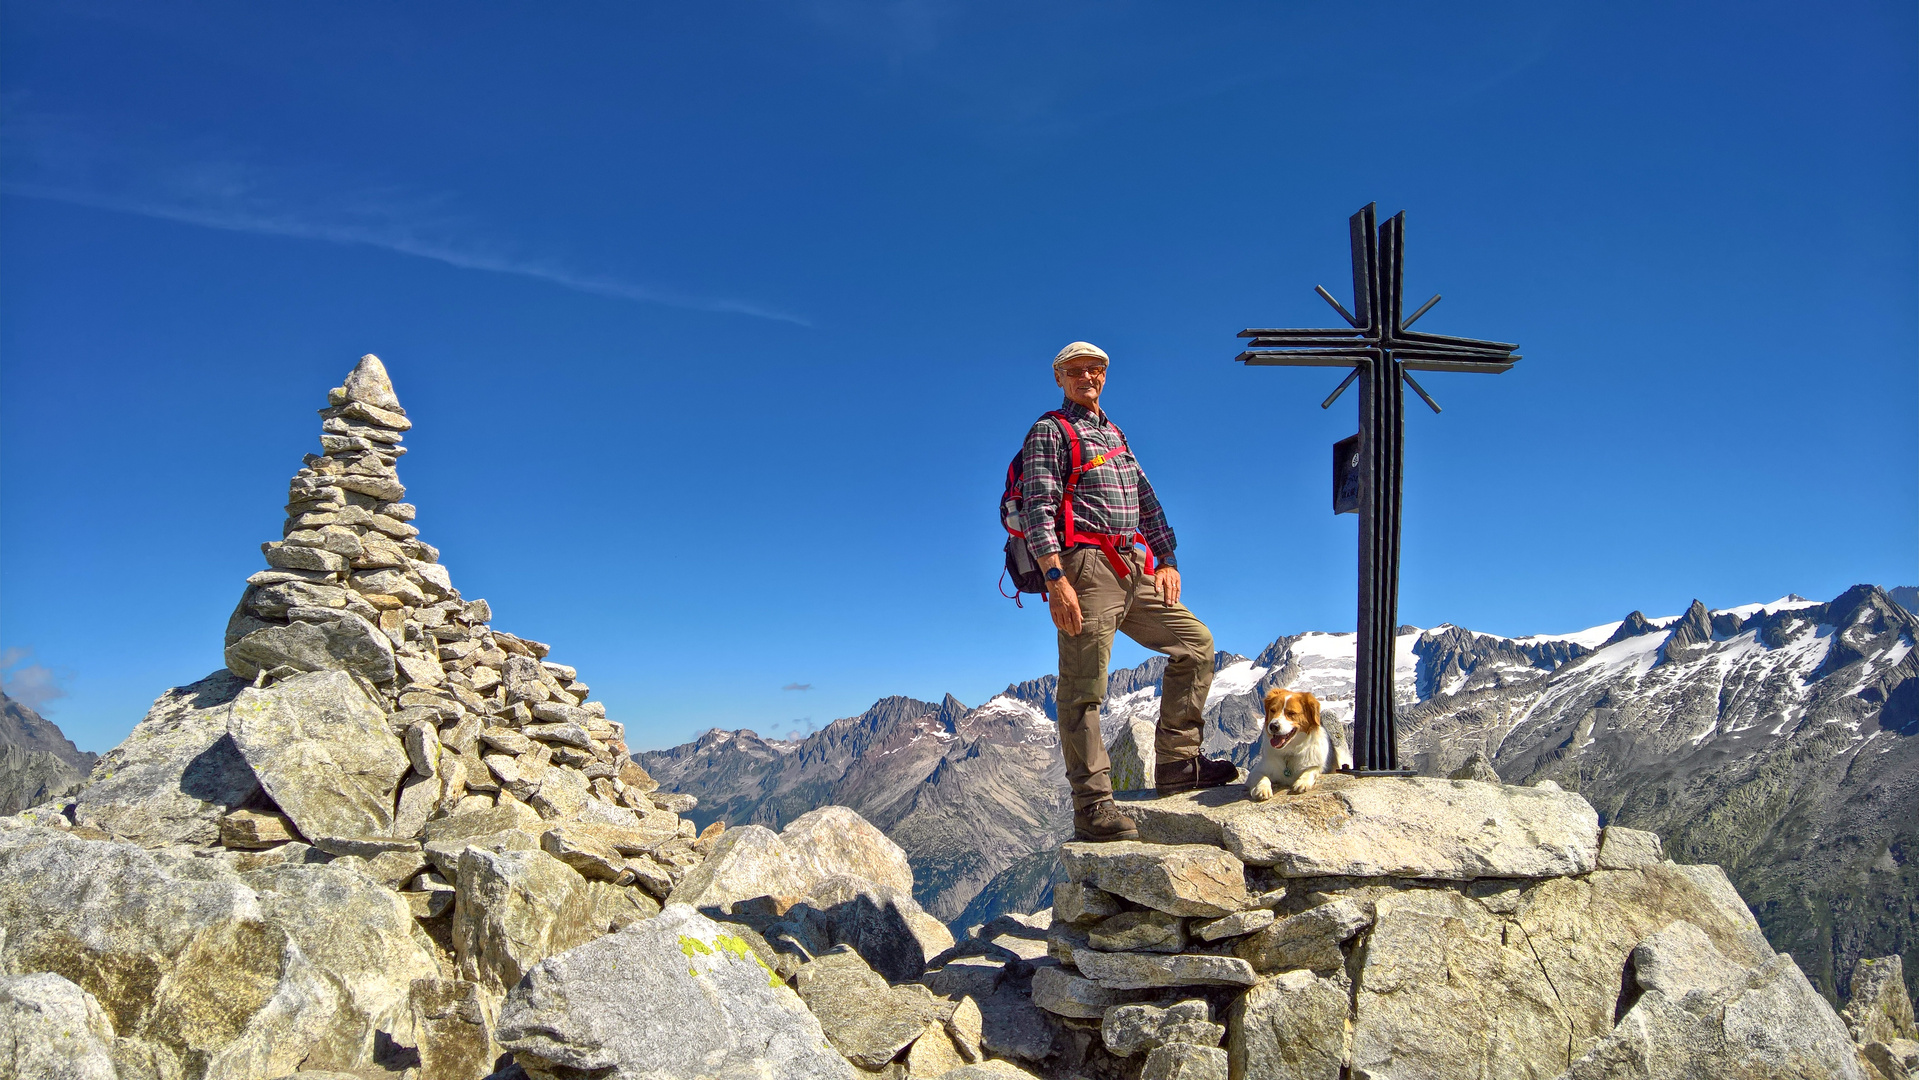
<point>1296,748</point>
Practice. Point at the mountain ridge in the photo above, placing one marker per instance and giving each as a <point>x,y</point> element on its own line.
<point>37,760</point>
<point>1738,733</point>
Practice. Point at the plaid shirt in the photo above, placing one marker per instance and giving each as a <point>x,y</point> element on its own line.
<point>1113,497</point>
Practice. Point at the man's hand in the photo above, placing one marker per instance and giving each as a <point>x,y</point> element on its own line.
<point>1061,599</point>
<point>1064,604</point>
<point>1167,579</point>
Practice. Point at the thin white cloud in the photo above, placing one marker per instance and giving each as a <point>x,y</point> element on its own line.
<point>32,685</point>
<point>797,686</point>
<point>47,160</point>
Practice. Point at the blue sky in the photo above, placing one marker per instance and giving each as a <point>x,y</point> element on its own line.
<point>719,322</point>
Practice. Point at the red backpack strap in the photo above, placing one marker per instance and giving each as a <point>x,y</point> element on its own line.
<point>1110,546</point>
<point>1072,437</point>
<point>1072,441</point>
<point>1067,534</point>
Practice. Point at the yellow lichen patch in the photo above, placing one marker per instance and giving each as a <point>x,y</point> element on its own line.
<point>738,947</point>
<point>693,946</point>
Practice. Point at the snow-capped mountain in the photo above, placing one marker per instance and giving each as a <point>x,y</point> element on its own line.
<point>1775,739</point>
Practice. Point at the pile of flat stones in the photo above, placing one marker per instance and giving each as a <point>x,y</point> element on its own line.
<point>1412,927</point>
<point>1144,935</point>
<point>488,721</point>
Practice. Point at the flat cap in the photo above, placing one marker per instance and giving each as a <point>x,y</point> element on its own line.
<point>1081,348</point>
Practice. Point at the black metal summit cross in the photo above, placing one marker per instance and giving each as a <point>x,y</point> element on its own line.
<point>1383,353</point>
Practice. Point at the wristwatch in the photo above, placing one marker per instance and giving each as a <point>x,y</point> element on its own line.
<point>1055,574</point>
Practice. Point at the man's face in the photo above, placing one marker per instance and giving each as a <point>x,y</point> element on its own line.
<point>1082,377</point>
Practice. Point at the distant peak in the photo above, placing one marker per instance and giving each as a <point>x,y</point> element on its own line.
<point>1697,618</point>
<point>1693,628</point>
<point>1634,625</point>
<point>950,712</point>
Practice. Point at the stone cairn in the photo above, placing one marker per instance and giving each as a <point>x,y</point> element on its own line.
<point>486,721</point>
<point>389,841</point>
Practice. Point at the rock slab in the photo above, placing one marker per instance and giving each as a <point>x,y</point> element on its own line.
<point>866,1020</point>
<point>178,952</point>
<point>1138,931</point>
<point>1629,849</point>
<point>1134,1029</point>
<point>1063,993</point>
<point>748,861</point>
<point>1292,1027</point>
<point>512,909</point>
<point>453,1023</point>
<point>318,639</point>
<point>710,1008</point>
<point>1700,1013</point>
<point>1142,971</point>
<point>835,840</point>
<point>1448,994</point>
<point>1411,827</point>
<point>177,774</point>
<point>1310,939</point>
<point>322,749</point>
<point>361,933</point>
<point>1181,879</point>
<point>52,1028</point>
<point>1184,1061</point>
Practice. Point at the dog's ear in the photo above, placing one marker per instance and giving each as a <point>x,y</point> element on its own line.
<point>1311,705</point>
<point>1273,699</point>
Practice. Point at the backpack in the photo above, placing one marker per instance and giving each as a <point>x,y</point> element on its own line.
<point>1020,564</point>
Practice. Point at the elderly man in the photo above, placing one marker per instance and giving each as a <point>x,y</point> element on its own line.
<point>1083,538</point>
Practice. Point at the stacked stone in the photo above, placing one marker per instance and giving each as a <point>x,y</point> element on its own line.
<point>498,739</point>
<point>1134,929</point>
<point>1417,927</point>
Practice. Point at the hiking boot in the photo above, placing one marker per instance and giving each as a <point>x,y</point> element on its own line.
<point>1173,777</point>
<point>1101,822</point>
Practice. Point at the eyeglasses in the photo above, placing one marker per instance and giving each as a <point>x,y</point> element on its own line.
<point>1084,371</point>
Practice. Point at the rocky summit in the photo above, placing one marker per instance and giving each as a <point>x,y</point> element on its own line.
<point>391,842</point>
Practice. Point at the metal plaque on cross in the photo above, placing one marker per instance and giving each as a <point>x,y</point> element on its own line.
<point>1383,352</point>
<point>1346,475</point>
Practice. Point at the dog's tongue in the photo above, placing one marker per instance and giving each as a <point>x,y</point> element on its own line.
<point>1281,743</point>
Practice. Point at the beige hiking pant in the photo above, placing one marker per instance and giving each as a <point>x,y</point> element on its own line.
<point>1133,606</point>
